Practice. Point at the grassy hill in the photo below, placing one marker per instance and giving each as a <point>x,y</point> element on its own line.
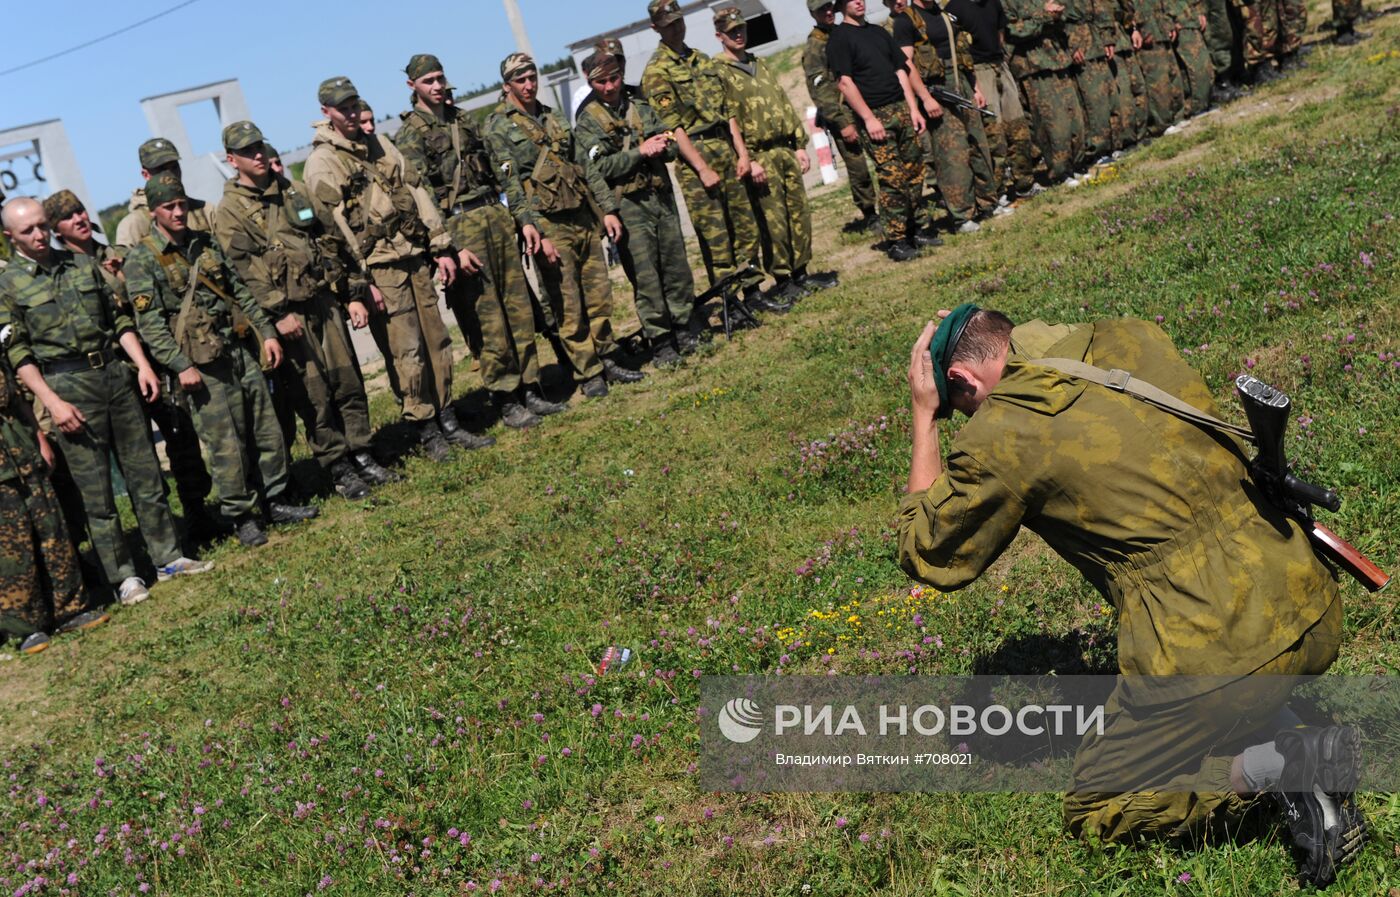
<point>401,698</point>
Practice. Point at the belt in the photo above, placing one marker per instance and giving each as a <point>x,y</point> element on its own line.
<point>462,208</point>
<point>716,131</point>
<point>90,361</point>
<point>783,142</point>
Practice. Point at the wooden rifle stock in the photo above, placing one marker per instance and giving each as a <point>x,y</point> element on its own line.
<point>1342,553</point>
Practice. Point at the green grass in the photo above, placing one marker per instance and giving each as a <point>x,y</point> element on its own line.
<point>351,702</point>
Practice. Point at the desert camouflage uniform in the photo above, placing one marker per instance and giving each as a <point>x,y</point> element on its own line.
<point>285,247</point>
<point>232,410</point>
<point>1207,577</point>
<point>62,312</point>
<point>492,307</point>
<point>1040,58</point>
<point>1157,57</point>
<point>564,198</point>
<point>688,93</point>
<point>1091,27</point>
<point>833,114</point>
<point>653,247</point>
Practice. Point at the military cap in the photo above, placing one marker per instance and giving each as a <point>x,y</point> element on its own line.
<point>940,350</point>
<point>727,18</point>
<point>334,91</point>
<point>161,188</point>
<point>157,152</point>
<point>664,12</point>
<point>422,64</point>
<point>610,45</point>
<point>270,151</point>
<point>61,205</point>
<point>599,64</point>
<point>814,5</point>
<point>241,135</point>
<point>517,64</point>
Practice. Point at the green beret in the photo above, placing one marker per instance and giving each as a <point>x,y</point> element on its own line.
<point>157,152</point>
<point>241,135</point>
<point>422,64</point>
<point>945,340</point>
<point>517,64</point>
<point>162,188</point>
<point>334,91</point>
<point>61,205</point>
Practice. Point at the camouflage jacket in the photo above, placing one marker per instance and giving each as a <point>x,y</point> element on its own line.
<point>832,111</point>
<point>1156,18</point>
<point>932,68</point>
<point>101,253</point>
<point>687,91</point>
<point>542,172</point>
<point>133,228</point>
<point>766,116</point>
<point>447,154</point>
<point>19,441</point>
<point>1092,24</point>
<point>59,309</point>
<point>609,139</point>
<point>1038,42</point>
<point>1159,515</point>
<point>157,274</point>
<point>1125,14</point>
<point>376,198</point>
<point>284,245</point>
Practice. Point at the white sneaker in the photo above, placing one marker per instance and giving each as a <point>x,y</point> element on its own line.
<point>183,567</point>
<point>1072,181</point>
<point>969,227</point>
<point>1003,201</point>
<point>133,591</point>
<point>1004,211</point>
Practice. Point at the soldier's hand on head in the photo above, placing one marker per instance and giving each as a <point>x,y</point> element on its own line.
<point>851,134</point>
<point>468,262</point>
<point>66,416</point>
<point>875,129</point>
<point>148,383</point>
<point>190,379</point>
<point>757,173</point>
<point>613,226</point>
<point>532,238</point>
<point>273,348</point>
<point>804,161</point>
<point>551,254</point>
<point>923,390</point>
<point>289,325</point>
<point>709,178</point>
<point>377,298</point>
<point>359,315</point>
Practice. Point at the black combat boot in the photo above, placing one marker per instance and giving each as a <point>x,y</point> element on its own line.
<point>616,373</point>
<point>278,511</point>
<point>755,301</point>
<point>1321,769</point>
<point>664,356</point>
<point>347,480</point>
<point>595,387</point>
<point>458,435</point>
<point>811,281</point>
<point>541,406</point>
<point>513,413</point>
<point>250,532</point>
<point>372,472</point>
<point>434,446</point>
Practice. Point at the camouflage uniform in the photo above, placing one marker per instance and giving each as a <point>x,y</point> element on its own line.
<point>1193,56</point>
<point>834,115</point>
<point>1040,57</point>
<point>232,410</point>
<point>66,321</point>
<point>378,201</point>
<point>1131,111</point>
<point>492,307</point>
<point>565,198</point>
<point>1207,577</point>
<point>688,93</point>
<point>285,247</point>
<point>1092,26</point>
<point>1158,60</point>
<point>773,132</point>
<point>1293,22</point>
<point>653,248</point>
<point>40,580</point>
<point>1344,15</point>
<point>1224,36</point>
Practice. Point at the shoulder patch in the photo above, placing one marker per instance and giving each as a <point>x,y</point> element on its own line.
<point>593,153</point>
<point>505,168</point>
<point>142,302</point>
<point>664,101</point>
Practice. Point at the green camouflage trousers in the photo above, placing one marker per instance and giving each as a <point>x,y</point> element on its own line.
<point>1130,109</point>
<point>1224,35</point>
<point>1163,78</point>
<point>420,350</point>
<point>780,206</point>
<point>319,383</point>
<point>116,426</point>
<point>1264,31</point>
<point>899,170</point>
<point>1098,93</point>
<point>1197,75</point>
<point>1345,13</point>
<point>40,581</point>
<point>493,307</point>
<point>236,422</point>
<point>653,255</point>
<point>1293,21</point>
<point>192,480</point>
<point>578,290</point>
<point>1009,134</point>
<point>857,172</point>
<point>1058,120</point>
<point>723,218</point>
<point>963,159</point>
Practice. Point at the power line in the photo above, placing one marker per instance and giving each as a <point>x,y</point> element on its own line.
<point>98,40</point>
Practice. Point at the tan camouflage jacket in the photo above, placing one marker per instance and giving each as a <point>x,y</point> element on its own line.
<point>137,223</point>
<point>1208,578</point>
<point>687,91</point>
<point>766,117</point>
<point>832,111</point>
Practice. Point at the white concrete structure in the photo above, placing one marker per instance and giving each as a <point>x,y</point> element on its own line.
<point>204,175</point>
<point>37,159</point>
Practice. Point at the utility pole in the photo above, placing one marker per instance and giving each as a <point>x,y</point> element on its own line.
<point>517,27</point>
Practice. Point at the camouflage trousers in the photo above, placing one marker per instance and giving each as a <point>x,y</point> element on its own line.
<point>411,328</point>
<point>1163,78</point>
<point>1267,29</point>
<point>1197,75</point>
<point>1345,13</point>
<point>723,217</point>
<point>579,293</point>
<point>192,480</point>
<point>493,306</point>
<point>780,207</point>
<point>654,257</point>
<point>1130,109</point>
<point>1058,120</point>
<point>1098,93</point>
<point>899,170</point>
<point>857,172</point>
<point>1224,35</point>
<point>236,422</point>
<point>1009,134</point>
<point>1293,23</point>
<point>116,426</point>
<point>1181,752</point>
<point>963,158</point>
<point>41,583</point>
<point>319,382</point>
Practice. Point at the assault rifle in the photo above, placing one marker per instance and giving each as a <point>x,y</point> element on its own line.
<point>732,309</point>
<point>1267,410</point>
<point>946,97</point>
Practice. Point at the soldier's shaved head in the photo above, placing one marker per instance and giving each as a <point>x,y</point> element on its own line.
<point>27,226</point>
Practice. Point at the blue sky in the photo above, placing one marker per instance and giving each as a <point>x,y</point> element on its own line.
<point>279,62</point>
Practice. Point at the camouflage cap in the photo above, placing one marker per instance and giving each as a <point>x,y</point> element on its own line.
<point>162,188</point>
<point>664,12</point>
<point>61,205</point>
<point>611,46</point>
<point>422,64</point>
<point>600,65</point>
<point>334,91</point>
<point>157,152</point>
<point>241,135</point>
<point>727,18</point>
<point>940,350</point>
<point>814,5</point>
<point>517,64</point>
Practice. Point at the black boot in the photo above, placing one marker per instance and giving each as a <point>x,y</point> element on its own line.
<point>755,301</point>
<point>434,446</point>
<point>458,435</point>
<point>867,221</point>
<point>541,406</point>
<point>372,472</point>
<point>816,280</point>
<point>616,373</point>
<point>279,511</point>
<point>513,413</point>
<point>347,481</point>
<point>250,532</point>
